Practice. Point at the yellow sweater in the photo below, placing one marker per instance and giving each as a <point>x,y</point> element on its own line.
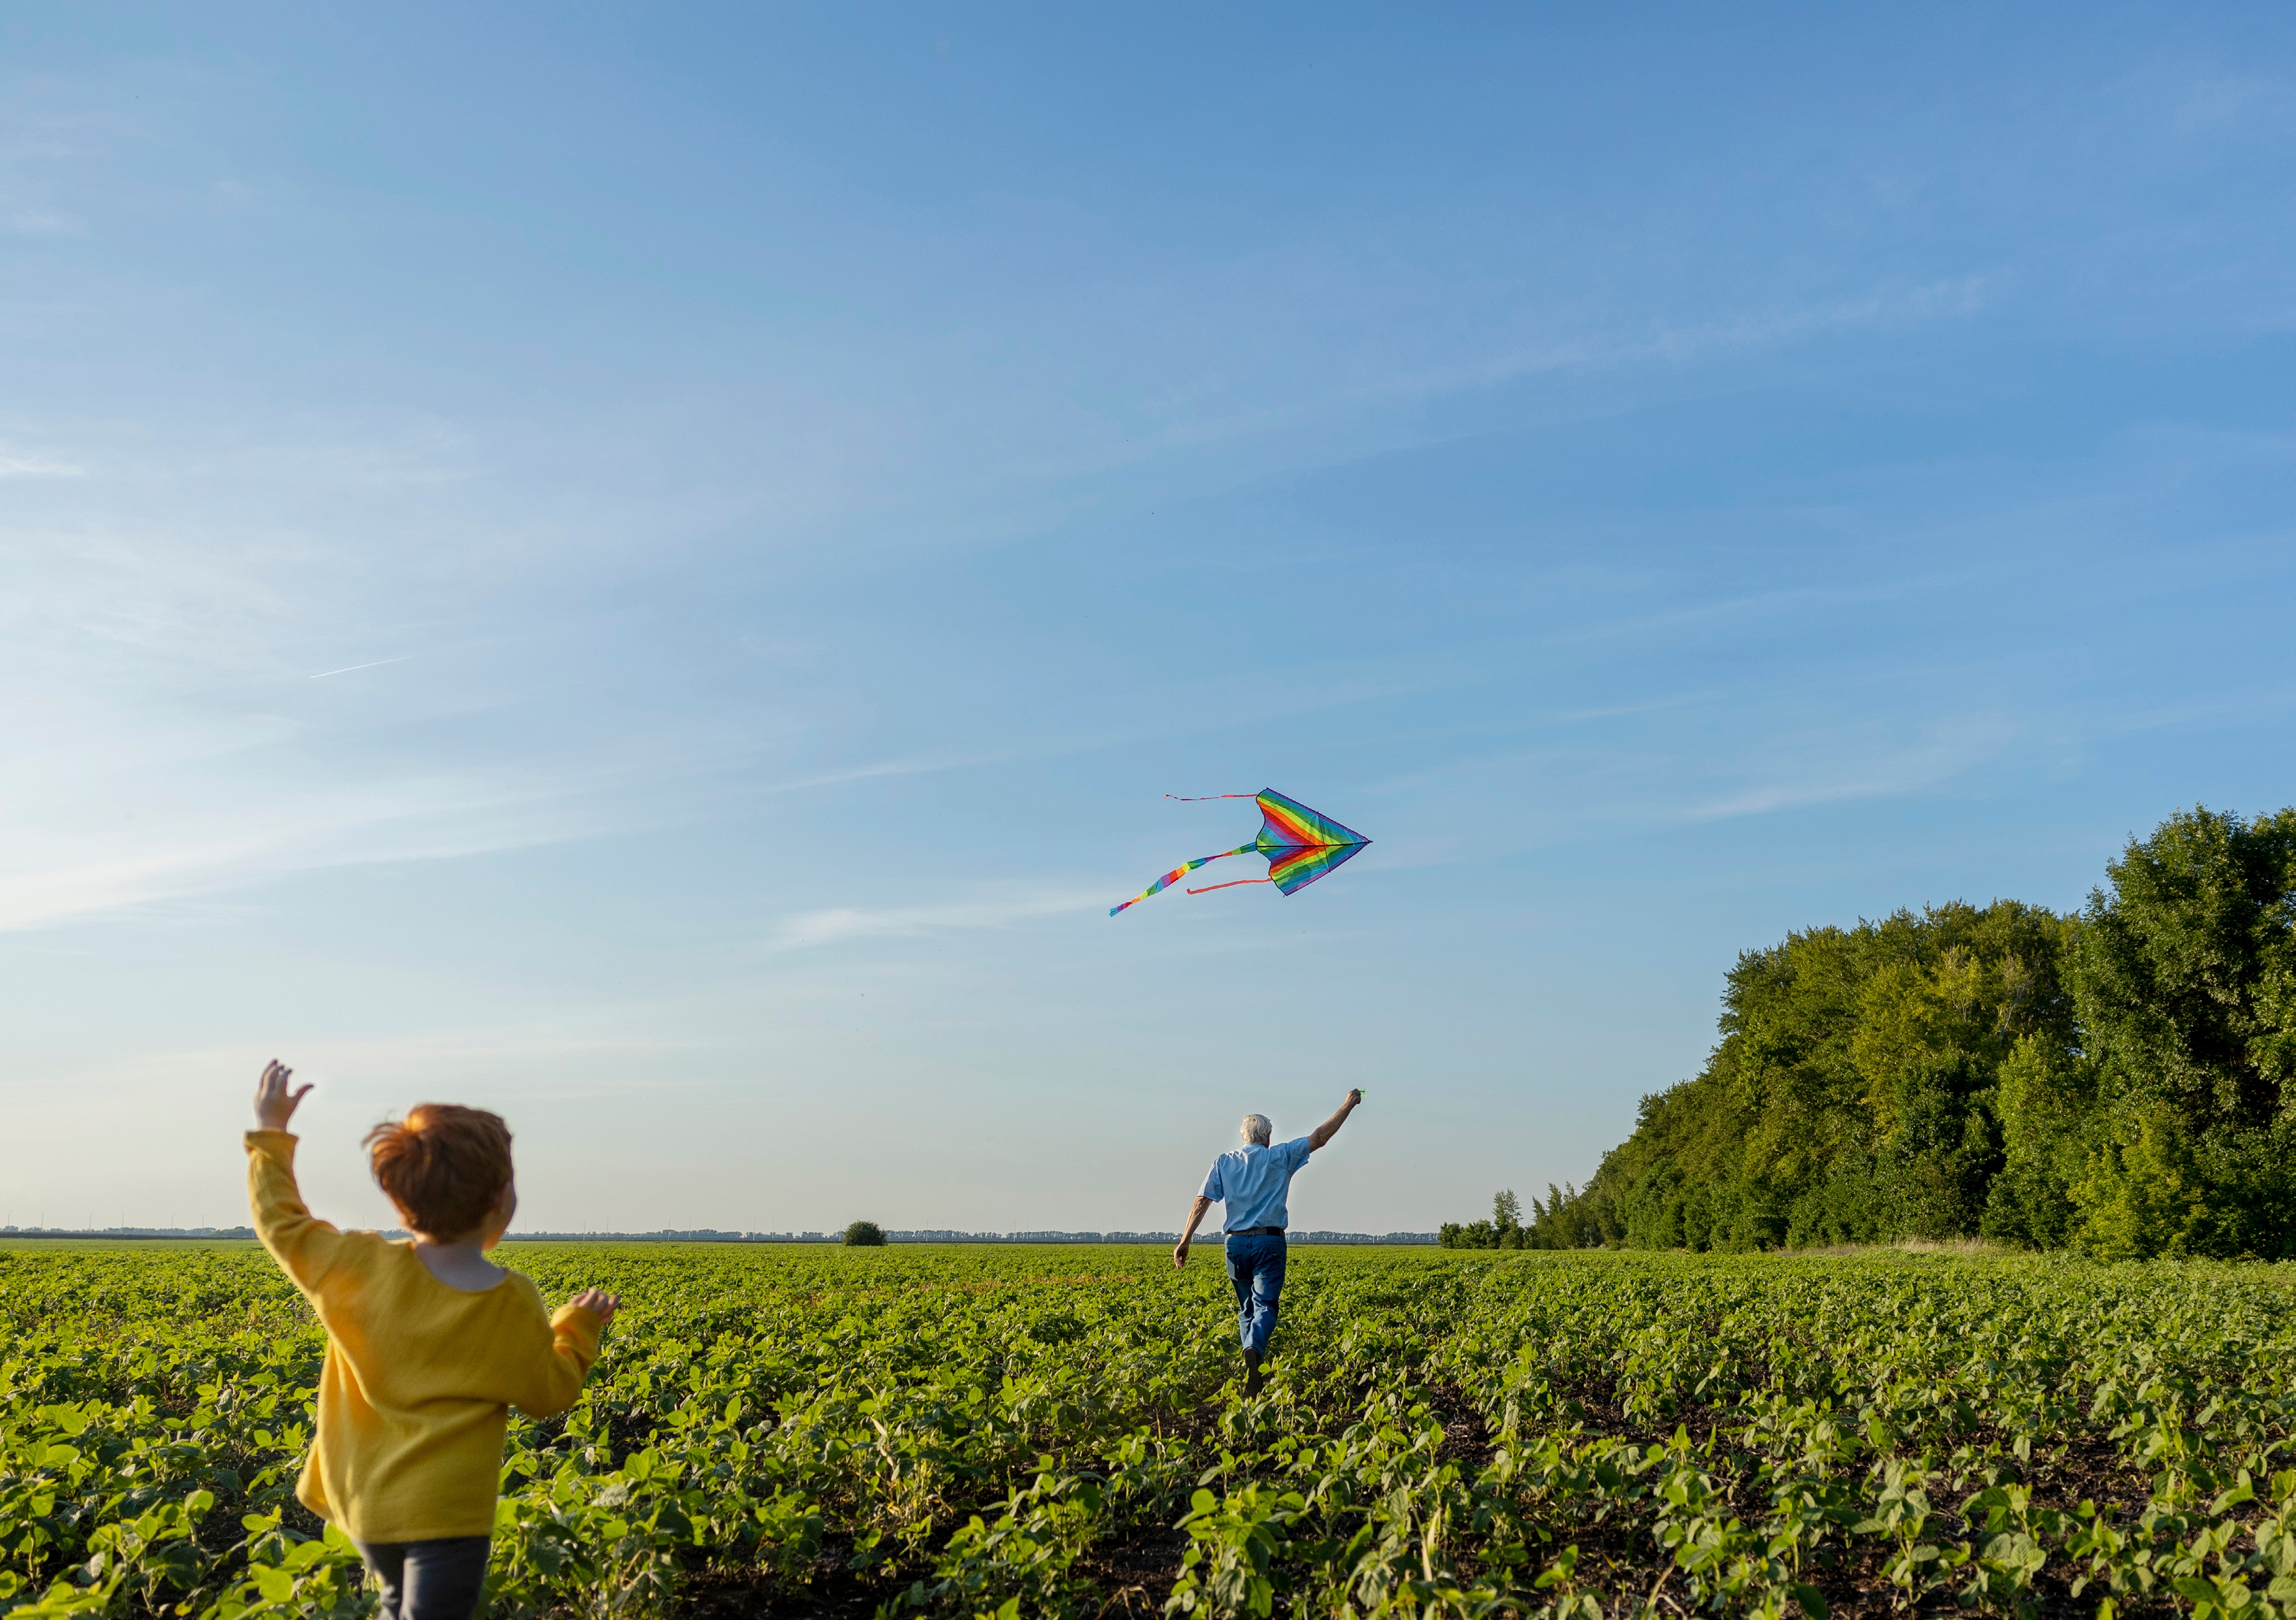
<point>419,1377</point>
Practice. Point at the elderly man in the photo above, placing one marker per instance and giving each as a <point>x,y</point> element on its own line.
<point>1252,1180</point>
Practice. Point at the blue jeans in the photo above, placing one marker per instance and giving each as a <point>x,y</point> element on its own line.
<point>435,1580</point>
<point>1256,1266</point>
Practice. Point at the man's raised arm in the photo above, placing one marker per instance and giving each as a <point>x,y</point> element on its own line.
<point>1195,1219</point>
<point>1330,1128</point>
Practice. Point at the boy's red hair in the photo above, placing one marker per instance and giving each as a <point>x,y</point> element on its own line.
<point>444,1165</point>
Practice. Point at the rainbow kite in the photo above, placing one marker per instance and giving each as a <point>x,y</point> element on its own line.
<point>1300,847</point>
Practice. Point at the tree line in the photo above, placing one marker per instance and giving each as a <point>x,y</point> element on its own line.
<point>2120,1081</point>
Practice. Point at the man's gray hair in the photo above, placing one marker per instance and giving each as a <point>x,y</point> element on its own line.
<point>1259,1128</point>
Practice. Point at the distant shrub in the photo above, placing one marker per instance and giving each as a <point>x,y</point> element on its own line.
<point>865,1234</point>
<point>1504,1229</point>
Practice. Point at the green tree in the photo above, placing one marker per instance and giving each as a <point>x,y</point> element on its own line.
<point>2045,1100</point>
<point>865,1234</point>
<point>2185,979</point>
<point>2124,1081</point>
<point>1852,1095</point>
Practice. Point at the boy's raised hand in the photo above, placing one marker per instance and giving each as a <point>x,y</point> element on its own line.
<point>274,1104</point>
<point>599,1301</point>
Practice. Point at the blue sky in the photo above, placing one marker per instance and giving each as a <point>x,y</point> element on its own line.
<point>651,571</point>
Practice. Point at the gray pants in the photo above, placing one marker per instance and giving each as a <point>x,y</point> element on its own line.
<point>438,1580</point>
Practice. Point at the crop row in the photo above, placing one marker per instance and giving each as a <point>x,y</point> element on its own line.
<point>1017,1432</point>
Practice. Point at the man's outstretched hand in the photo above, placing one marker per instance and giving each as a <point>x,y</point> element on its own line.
<point>1180,1254</point>
<point>274,1104</point>
<point>1330,1128</point>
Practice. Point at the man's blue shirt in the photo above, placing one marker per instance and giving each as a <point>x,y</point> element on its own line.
<point>1252,1181</point>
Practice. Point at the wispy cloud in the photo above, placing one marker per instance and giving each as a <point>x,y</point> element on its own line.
<point>922,765</point>
<point>1621,711</point>
<point>29,464</point>
<point>1949,748</point>
<point>1605,347</point>
<point>352,669</point>
<point>43,221</point>
<point>1948,297</point>
<point>1193,707</point>
<point>54,878</point>
<point>838,924</point>
<point>1757,605</point>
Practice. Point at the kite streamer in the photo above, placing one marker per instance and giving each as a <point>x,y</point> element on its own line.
<point>1300,847</point>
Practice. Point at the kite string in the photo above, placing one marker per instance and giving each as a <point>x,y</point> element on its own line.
<point>1203,798</point>
<point>1237,884</point>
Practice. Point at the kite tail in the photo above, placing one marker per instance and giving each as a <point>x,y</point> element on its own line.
<point>1238,883</point>
<point>1179,871</point>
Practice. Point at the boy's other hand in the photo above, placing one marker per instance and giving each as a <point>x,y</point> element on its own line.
<point>274,1104</point>
<point>600,1301</point>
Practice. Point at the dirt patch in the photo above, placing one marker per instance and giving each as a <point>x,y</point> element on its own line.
<point>1466,1438</point>
<point>1856,1588</point>
<point>1135,1570</point>
<point>833,1590</point>
<point>731,1596</point>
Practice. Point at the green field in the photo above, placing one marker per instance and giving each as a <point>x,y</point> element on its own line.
<point>1059,1431</point>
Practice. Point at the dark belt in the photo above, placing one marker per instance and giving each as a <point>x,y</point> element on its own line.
<point>1256,1231</point>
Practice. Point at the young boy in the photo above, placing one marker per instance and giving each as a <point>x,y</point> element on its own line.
<point>429,1344</point>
